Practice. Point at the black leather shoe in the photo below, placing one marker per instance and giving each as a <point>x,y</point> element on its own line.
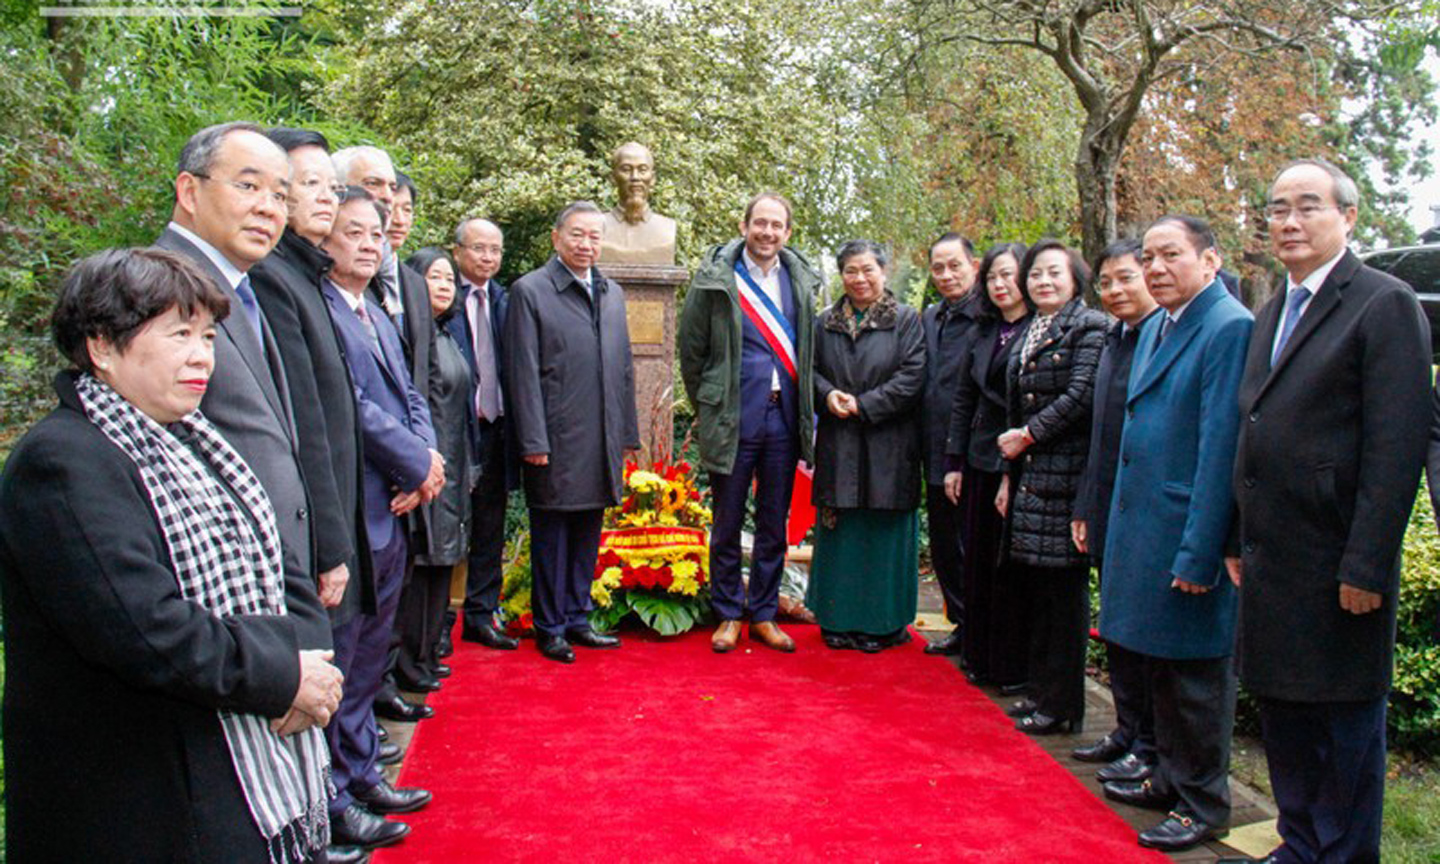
<point>950,643</point>
<point>485,634</point>
<point>1023,708</point>
<point>837,641</point>
<point>1107,749</point>
<point>419,685</point>
<point>1014,689</point>
<point>359,827</point>
<point>442,671</point>
<point>555,647</point>
<point>1140,794</point>
<point>869,644</point>
<point>389,753</point>
<point>1040,723</point>
<point>1176,834</point>
<point>346,855</point>
<point>1127,769</point>
<point>396,708</point>
<point>384,798</point>
<point>588,638</point>
<point>446,646</point>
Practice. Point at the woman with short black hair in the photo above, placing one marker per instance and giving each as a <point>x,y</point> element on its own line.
<point>1051,381</point>
<point>157,705</point>
<point>869,375</point>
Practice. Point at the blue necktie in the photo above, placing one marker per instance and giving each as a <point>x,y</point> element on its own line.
<point>364,315</point>
<point>252,309</point>
<point>1293,302</point>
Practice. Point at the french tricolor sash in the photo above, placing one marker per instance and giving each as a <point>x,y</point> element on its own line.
<point>770,321</point>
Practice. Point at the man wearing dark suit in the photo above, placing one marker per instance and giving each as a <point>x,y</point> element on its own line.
<point>950,331</point>
<point>572,392</point>
<point>230,193</point>
<point>1334,411</point>
<point>287,285</point>
<point>1130,747</point>
<point>402,470</point>
<point>401,292</point>
<point>479,249</point>
<point>1164,595</point>
<point>745,346</point>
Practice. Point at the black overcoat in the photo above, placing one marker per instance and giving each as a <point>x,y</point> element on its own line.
<point>978,415</point>
<point>571,386</point>
<point>287,286</point>
<point>113,749</point>
<point>1332,440</point>
<point>872,461</point>
<point>1050,393</point>
<point>947,351</point>
<point>452,413</point>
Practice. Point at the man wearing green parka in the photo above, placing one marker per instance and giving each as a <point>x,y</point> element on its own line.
<point>745,345</point>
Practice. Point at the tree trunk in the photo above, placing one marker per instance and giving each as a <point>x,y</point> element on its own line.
<point>1096,163</point>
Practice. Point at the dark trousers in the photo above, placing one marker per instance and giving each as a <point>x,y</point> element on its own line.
<point>487,528</point>
<point>770,462</point>
<point>1059,599</point>
<point>1130,687</point>
<point>1327,767</point>
<point>947,550</point>
<point>419,620</point>
<point>563,547</point>
<point>1194,706</point>
<point>996,636</point>
<point>362,645</point>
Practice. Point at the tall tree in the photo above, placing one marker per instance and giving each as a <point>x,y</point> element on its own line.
<point>511,109</point>
<point>1113,52</point>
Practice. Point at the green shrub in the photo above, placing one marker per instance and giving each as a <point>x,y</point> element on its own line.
<point>1415,702</point>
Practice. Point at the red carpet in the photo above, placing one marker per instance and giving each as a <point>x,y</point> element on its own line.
<point>663,751</point>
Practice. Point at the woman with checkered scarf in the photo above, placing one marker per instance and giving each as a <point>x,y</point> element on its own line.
<point>157,706</point>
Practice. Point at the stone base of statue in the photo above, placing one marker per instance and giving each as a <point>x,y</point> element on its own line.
<point>650,311</point>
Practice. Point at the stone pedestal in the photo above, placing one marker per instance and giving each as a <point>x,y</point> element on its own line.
<point>650,311</point>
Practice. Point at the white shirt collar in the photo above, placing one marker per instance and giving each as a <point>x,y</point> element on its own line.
<point>350,299</point>
<point>1175,316</point>
<point>755,270</point>
<point>583,279</point>
<point>232,273</point>
<point>1317,278</point>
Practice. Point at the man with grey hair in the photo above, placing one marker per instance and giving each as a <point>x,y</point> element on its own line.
<point>479,249</point>
<point>231,187</point>
<point>571,383</point>
<point>1334,410</point>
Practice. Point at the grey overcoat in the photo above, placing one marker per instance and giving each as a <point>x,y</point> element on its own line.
<point>571,385</point>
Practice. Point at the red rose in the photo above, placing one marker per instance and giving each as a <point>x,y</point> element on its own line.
<point>665,578</point>
<point>629,578</point>
<point>646,576</point>
<point>609,558</point>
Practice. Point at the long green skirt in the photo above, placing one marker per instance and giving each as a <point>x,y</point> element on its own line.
<point>866,571</point>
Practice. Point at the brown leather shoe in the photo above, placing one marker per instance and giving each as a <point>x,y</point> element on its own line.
<point>726,636</point>
<point>771,636</point>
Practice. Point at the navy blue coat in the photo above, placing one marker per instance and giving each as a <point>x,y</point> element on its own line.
<point>1173,503</point>
<point>394,419</point>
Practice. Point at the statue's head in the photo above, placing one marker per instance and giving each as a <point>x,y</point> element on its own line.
<point>632,168</point>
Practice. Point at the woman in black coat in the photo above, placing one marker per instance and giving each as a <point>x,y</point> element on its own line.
<point>995,638</point>
<point>452,412</point>
<point>870,376</point>
<point>1051,382</point>
<point>157,706</point>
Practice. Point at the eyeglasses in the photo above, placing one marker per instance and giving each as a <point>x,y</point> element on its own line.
<point>249,190</point>
<point>482,248</point>
<point>1277,214</point>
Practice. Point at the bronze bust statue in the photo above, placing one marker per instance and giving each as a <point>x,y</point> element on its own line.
<point>635,234</point>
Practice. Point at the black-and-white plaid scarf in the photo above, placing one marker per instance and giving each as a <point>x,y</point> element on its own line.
<point>220,530</point>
